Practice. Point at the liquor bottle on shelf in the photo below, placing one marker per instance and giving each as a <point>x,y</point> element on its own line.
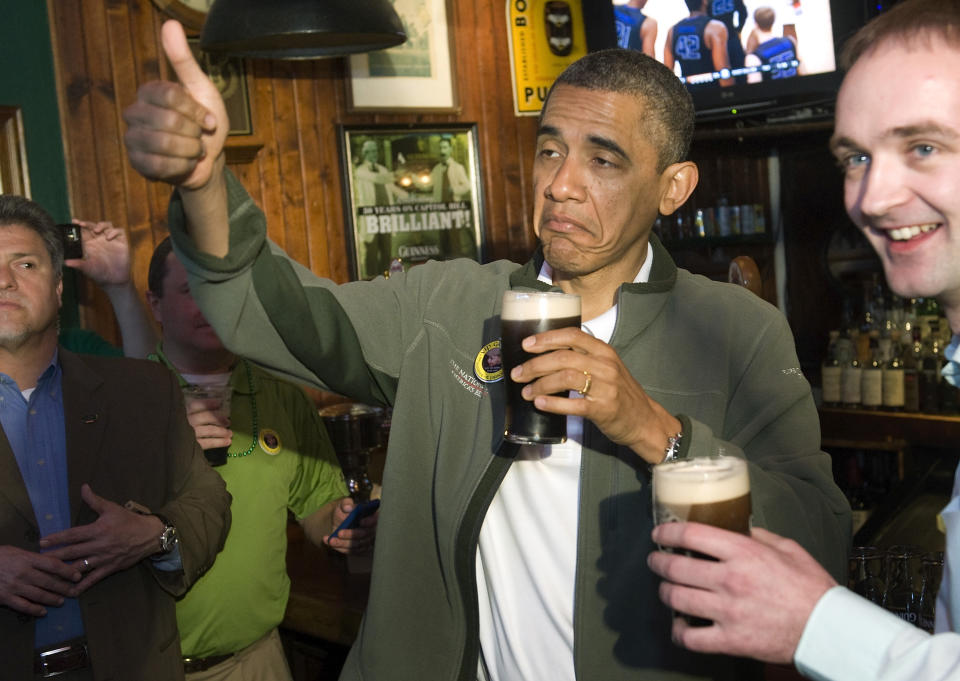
<point>871,318</point>
<point>856,490</point>
<point>928,315</point>
<point>896,314</point>
<point>871,379</point>
<point>830,373</point>
<point>850,383</point>
<point>930,371</point>
<point>893,376</point>
<point>911,360</point>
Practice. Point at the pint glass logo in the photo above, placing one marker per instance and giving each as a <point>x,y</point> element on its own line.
<point>488,366</point>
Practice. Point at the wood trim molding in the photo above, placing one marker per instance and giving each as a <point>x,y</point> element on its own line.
<point>14,177</point>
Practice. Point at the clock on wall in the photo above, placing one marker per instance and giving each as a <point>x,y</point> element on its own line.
<point>190,13</point>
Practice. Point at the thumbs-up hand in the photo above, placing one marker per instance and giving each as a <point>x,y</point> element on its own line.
<point>175,132</point>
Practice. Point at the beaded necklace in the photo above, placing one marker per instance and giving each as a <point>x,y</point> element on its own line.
<point>253,415</point>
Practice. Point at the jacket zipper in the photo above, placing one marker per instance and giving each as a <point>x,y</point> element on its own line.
<point>466,560</point>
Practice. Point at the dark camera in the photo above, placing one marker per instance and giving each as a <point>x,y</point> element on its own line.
<point>72,243</point>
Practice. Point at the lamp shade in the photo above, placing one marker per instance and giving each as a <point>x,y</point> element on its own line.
<point>300,29</point>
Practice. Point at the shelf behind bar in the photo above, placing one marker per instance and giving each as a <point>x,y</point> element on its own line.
<point>918,430</point>
<point>757,238</point>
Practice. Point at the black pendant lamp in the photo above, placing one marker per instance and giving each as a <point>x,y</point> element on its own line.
<point>300,29</point>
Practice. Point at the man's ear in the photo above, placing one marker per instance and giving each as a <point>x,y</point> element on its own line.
<point>153,301</point>
<point>677,182</point>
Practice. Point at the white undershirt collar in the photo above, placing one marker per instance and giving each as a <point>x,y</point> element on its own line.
<point>602,326</point>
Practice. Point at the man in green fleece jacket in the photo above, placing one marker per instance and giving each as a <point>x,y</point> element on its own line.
<point>501,562</point>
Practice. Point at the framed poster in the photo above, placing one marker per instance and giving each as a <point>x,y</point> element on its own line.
<point>415,75</point>
<point>412,194</point>
<point>230,77</point>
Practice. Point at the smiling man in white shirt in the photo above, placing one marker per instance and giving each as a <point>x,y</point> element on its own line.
<point>897,139</point>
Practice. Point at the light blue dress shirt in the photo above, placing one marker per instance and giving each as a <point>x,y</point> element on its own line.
<point>34,427</point>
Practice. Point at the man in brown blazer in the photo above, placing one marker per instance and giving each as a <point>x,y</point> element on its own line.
<point>107,507</point>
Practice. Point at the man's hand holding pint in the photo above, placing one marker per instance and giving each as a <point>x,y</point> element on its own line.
<point>759,592</point>
<point>613,400</point>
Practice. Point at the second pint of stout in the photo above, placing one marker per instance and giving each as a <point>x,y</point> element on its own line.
<point>713,490</point>
<point>525,313</point>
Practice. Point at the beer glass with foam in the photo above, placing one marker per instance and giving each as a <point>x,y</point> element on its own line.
<point>525,313</point>
<point>714,490</point>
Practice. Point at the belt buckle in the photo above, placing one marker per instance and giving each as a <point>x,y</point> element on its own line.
<point>57,661</point>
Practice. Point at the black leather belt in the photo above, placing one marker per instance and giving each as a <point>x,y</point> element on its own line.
<point>65,657</point>
<point>192,665</point>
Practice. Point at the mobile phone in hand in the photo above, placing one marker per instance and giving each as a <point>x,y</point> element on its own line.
<point>359,512</point>
<point>72,243</point>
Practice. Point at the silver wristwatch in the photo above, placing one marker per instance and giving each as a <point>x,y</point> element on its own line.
<point>168,538</point>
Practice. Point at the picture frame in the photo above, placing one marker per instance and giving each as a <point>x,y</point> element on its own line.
<point>14,176</point>
<point>418,74</point>
<point>412,193</point>
<point>230,77</point>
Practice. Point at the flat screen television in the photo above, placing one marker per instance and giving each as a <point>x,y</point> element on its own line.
<point>789,71</point>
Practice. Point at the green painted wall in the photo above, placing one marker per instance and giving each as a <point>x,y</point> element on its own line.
<point>27,80</point>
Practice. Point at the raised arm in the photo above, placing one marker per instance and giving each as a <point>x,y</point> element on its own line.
<point>175,134</point>
<point>716,37</point>
<point>106,262</point>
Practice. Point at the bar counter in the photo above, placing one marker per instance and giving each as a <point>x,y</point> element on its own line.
<point>326,600</point>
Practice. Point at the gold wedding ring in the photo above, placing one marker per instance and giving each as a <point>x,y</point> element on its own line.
<point>586,384</point>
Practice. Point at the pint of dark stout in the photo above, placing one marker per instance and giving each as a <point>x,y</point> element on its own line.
<point>714,490</point>
<point>525,313</point>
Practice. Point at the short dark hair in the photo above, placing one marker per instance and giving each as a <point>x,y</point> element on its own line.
<point>668,109</point>
<point>157,271</point>
<point>910,23</point>
<point>694,5</point>
<point>18,210</point>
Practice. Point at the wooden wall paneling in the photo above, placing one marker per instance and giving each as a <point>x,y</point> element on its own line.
<point>331,97</point>
<point>127,196</point>
<point>289,154</point>
<point>86,72</point>
<point>107,48</point>
<point>310,168</point>
<point>507,175</point>
<point>74,85</point>
<point>146,201</point>
<point>320,167</point>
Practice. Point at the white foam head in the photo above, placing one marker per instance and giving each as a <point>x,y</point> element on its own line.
<point>701,480</point>
<point>520,305</point>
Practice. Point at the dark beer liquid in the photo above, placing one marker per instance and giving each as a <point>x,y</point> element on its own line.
<point>525,423</point>
<point>731,514</point>
<point>216,456</point>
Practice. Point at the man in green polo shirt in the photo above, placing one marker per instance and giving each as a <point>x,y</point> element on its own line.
<point>279,458</point>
